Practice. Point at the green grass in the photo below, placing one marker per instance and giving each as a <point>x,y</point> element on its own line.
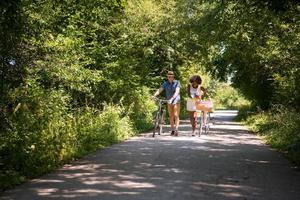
<point>279,128</point>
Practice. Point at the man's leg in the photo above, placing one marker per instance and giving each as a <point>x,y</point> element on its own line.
<point>176,115</point>
<point>171,116</point>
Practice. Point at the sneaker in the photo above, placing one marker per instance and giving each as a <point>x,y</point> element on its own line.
<point>176,133</point>
<point>193,134</point>
<point>206,126</point>
<point>172,132</point>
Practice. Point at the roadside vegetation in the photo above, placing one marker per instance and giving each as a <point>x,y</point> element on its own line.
<point>227,97</point>
<point>279,127</point>
<point>76,76</point>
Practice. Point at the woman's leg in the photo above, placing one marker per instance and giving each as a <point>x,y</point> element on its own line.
<point>193,120</point>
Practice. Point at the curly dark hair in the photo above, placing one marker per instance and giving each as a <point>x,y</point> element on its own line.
<point>196,78</point>
<point>203,89</point>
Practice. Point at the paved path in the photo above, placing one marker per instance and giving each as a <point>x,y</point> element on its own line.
<point>229,163</point>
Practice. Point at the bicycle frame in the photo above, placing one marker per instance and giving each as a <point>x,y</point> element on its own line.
<point>201,125</point>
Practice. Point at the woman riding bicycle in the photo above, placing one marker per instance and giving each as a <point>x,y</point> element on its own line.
<point>172,88</point>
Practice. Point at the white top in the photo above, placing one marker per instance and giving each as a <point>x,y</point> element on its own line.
<point>190,103</point>
<point>194,91</point>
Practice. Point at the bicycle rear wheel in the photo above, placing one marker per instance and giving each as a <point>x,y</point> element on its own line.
<point>200,124</point>
<point>207,123</point>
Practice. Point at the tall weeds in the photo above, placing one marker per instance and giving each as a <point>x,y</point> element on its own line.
<point>44,132</point>
<point>279,127</point>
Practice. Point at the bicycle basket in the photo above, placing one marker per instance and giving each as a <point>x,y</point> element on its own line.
<point>205,105</point>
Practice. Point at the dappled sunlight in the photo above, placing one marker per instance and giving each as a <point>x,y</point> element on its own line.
<point>94,191</point>
<point>131,184</point>
<point>225,188</point>
<point>221,150</point>
<point>96,180</point>
<point>228,139</point>
<point>228,127</point>
<point>258,161</point>
<point>232,113</point>
<point>48,191</point>
<point>77,175</point>
<point>220,165</point>
<point>200,183</point>
<point>226,123</point>
<point>173,170</point>
<point>47,181</point>
<point>82,166</point>
<point>82,75</point>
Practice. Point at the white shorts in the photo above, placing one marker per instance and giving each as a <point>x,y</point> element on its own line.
<point>190,105</point>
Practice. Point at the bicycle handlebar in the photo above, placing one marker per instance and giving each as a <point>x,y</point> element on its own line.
<point>160,100</point>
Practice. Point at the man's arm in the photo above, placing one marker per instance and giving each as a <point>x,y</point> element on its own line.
<point>158,92</point>
<point>175,94</point>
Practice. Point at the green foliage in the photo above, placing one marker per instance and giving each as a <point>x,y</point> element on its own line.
<point>253,42</point>
<point>101,128</point>
<point>226,97</point>
<point>223,95</point>
<point>141,109</point>
<point>279,127</point>
<point>76,60</point>
<point>35,135</point>
<point>74,57</point>
<point>53,134</point>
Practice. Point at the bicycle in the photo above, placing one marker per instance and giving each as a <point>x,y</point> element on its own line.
<point>201,107</point>
<point>159,116</point>
<point>202,125</point>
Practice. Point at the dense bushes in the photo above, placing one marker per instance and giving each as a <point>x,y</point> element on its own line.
<point>44,133</point>
<point>141,109</point>
<point>44,129</point>
<point>76,82</point>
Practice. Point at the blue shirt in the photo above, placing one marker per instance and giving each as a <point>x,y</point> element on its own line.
<point>170,89</point>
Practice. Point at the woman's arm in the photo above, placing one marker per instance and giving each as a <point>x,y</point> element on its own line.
<point>205,93</point>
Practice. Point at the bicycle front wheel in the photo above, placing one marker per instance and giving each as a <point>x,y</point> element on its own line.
<point>200,125</point>
<point>161,122</point>
<point>156,123</point>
